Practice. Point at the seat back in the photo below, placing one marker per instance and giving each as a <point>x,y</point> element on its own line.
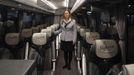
<point>12,38</point>
<point>39,39</point>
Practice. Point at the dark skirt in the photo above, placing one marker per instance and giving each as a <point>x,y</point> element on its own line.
<point>67,46</point>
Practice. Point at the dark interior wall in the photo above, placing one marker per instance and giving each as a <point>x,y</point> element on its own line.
<point>130,32</point>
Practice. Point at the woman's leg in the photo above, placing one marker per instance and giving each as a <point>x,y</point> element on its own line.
<point>65,59</point>
<point>70,59</point>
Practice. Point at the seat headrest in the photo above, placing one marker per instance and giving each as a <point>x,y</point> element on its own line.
<point>45,31</point>
<point>40,26</point>
<point>53,28</point>
<point>128,69</point>
<point>49,31</point>
<point>10,23</point>
<point>35,29</point>
<point>39,39</point>
<point>91,37</point>
<point>82,32</point>
<point>26,33</point>
<point>106,48</point>
<point>57,26</point>
<point>12,38</point>
<point>78,28</point>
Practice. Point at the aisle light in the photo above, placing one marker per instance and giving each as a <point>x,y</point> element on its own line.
<point>77,4</point>
<point>49,4</point>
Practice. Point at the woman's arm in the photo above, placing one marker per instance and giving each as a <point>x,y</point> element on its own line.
<point>58,31</point>
<point>74,32</point>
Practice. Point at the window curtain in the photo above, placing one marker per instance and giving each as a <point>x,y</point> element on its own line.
<point>120,25</point>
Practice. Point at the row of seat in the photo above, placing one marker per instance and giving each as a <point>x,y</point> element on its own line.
<point>16,42</point>
<point>35,39</point>
<point>102,55</point>
<point>44,39</point>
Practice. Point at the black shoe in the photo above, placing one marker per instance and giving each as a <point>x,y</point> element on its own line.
<point>69,67</point>
<point>65,66</point>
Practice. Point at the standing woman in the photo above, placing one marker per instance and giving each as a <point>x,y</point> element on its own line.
<point>68,31</point>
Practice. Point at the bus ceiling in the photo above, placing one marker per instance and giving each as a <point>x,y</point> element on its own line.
<point>51,6</point>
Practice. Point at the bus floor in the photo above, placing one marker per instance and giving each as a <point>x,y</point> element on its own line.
<point>60,63</point>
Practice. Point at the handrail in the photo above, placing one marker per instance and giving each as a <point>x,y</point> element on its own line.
<point>84,69</point>
<point>26,50</point>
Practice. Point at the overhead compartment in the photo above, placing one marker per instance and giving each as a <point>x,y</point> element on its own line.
<point>25,4</point>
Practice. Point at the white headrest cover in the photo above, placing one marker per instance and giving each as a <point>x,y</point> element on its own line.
<point>49,31</point>
<point>45,31</point>
<point>35,29</point>
<point>12,38</point>
<point>91,37</point>
<point>106,48</point>
<point>26,33</point>
<point>57,26</point>
<point>82,32</point>
<point>53,28</point>
<point>39,38</point>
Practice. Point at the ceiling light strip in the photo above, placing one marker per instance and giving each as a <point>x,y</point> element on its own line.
<point>33,4</point>
<point>77,4</point>
<point>49,4</point>
<point>66,3</point>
